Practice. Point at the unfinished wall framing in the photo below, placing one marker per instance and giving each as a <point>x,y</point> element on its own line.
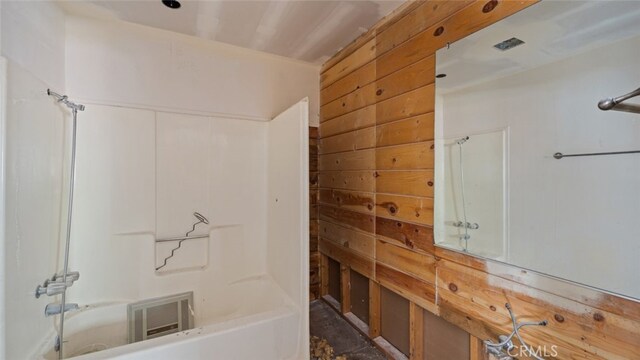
<point>375,180</point>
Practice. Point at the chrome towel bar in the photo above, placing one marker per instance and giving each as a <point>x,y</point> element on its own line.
<point>560,155</point>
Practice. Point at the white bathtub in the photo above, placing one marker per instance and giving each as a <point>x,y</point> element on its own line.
<point>254,320</point>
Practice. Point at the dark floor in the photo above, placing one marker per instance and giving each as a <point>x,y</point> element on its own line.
<point>325,323</point>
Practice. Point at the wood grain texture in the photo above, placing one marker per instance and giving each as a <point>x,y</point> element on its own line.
<point>350,219</point>
<point>427,14</point>
<point>414,129</point>
<point>374,309</point>
<point>454,27</point>
<point>471,292</point>
<point>351,200</point>
<point>351,160</point>
<point>360,242</point>
<point>349,102</point>
<point>405,157</point>
<point>482,296</point>
<point>413,236</point>
<point>348,122</point>
<point>404,80</point>
<point>412,103</point>
<point>314,252</point>
<point>352,82</point>
<point>410,182</point>
<point>357,59</point>
<point>419,265</point>
<point>380,26</point>
<point>345,288</point>
<point>324,275</point>
<point>363,180</point>
<point>353,140</point>
<point>411,288</point>
<point>346,257</point>
<point>416,323</point>
<point>405,208</point>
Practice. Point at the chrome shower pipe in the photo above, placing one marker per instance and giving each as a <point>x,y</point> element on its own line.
<point>72,179</point>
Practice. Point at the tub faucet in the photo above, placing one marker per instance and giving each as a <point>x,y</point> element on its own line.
<point>55,309</point>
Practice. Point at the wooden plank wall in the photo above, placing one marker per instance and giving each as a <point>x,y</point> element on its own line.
<point>314,252</point>
<point>376,181</point>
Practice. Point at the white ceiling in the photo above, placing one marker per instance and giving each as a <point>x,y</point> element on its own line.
<point>551,30</point>
<point>310,31</point>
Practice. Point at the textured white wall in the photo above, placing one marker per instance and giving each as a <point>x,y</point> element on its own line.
<point>137,66</point>
<point>288,209</point>
<point>573,218</point>
<point>33,45</point>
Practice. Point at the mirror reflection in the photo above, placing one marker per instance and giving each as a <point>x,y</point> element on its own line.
<point>509,98</point>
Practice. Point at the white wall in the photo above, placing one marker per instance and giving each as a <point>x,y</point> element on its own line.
<point>288,209</point>
<point>574,218</point>
<point>136,66</point>
<point>140,176</point>
<point>33,46</point>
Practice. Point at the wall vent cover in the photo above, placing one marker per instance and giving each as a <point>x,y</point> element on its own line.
<point>156,317</point>
<point>508,44</point>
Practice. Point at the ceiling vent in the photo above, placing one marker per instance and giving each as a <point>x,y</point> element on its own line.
<point>508,44</point>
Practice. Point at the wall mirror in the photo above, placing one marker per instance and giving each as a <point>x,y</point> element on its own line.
<point>511,96</point>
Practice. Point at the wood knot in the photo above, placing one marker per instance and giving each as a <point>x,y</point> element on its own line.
<point>369,206</point>
<point>439,31</point>
<point>379,92</point>
<point>493,308</point>
<point>399,224</point>
<point>375,174</point>
<point>559,318</point>
<point>432,147</point>
<point>453,287</point>
<point>430,183</point>
<point>488,7</point>
<point>394,160</point>
<point>392,209</point>
<point>409,243</point>
<point>598,317</point>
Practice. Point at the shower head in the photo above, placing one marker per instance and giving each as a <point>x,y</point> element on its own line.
<point>201,218</point>
<point>462,140</point>
<point>65,100</point>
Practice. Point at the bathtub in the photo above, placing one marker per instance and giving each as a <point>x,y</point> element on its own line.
<point>254,320</point>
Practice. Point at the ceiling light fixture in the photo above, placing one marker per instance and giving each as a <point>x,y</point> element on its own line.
<point>173,4</point>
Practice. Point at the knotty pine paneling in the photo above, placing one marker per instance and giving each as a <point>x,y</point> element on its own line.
<point>413,236</point>
<point>348,122</point>
<point>350,200</point>
<point>410,182</point>
<point>352,82</point>
<point>353,140</point>
<point>358,241</point>
<point>376,139</point>
<point>411,130</point>
<point>363,180</point>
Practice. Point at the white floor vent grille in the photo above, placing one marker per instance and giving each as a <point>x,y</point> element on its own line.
<point>153,318</point>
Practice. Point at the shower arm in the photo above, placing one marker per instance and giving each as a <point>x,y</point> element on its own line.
<point>618,103</point>
<point>65,100</point>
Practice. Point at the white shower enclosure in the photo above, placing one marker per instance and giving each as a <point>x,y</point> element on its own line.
<point>141,174</point>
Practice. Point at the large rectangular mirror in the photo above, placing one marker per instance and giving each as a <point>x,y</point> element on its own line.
<point>514,103</point>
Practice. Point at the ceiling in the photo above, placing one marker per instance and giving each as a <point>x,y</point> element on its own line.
<point>551,31</point>
<point>310,31</point>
